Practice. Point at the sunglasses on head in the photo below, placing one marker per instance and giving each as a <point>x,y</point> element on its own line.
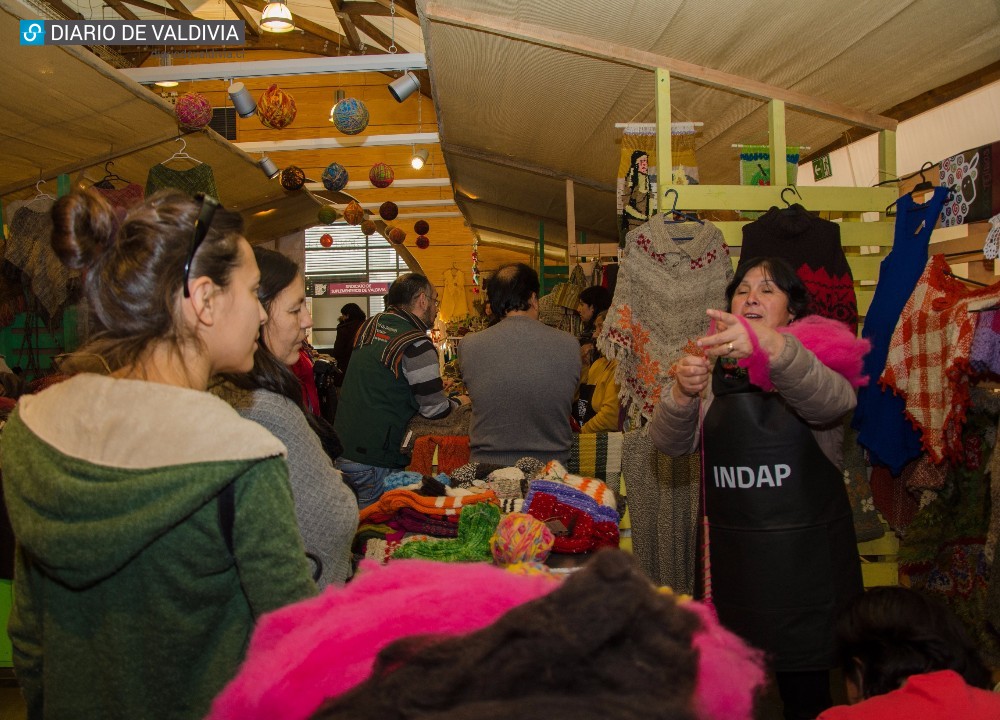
<point>205,214</point>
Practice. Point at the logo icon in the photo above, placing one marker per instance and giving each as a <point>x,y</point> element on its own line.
<point>32,32</point>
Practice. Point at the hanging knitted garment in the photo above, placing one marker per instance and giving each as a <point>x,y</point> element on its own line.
<point>880,417</point>
<point>985,354</point>
<point>122,199</point>
<point>453,453</point>
<point>200,178</point>
<point>928,357</point>
<point>454,304</point>
<point>670,274</point>
<point>812,247</point>
<point>29,249</point>
<point>597,455</point>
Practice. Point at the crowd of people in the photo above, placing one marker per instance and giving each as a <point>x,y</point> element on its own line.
<point>164,504</point>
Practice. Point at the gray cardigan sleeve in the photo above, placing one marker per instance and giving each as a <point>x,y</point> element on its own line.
<point>674,428</point>
<point>326,509</point>
<point>818,395</point>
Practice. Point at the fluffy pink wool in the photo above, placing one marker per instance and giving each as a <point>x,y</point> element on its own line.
<point>830,341</point>
<point>305,653</point>
<point>729,671</point>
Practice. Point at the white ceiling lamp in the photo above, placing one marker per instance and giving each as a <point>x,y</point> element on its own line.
<point>419,158</point>
<point>402,87</point>
<point>167,83</point>
<point>277,18</point>
<point>242,100</point>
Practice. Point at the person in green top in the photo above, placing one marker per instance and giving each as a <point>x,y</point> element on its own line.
<point>136,586</point>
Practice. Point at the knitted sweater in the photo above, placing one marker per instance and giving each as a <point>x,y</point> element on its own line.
<point>521,376</point>
<point>326,509</point>
<point>811,246</point>
<point>604,401</point>
<point>665,284</point>
<point>128,602</point>
<point>940,695</point>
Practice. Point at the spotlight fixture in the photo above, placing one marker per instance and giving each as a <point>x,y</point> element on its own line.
<point>277,18</point>
<point>242,100</point>
<point>404,86</point>
<point>337,97</point>
<point>419,158</point>
<point>268,167</point>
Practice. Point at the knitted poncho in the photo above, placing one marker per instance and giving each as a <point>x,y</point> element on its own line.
<point>928,359</point>
<point>200,178</point>
<point>29,249</point>
<point>811,246</point>
<point>665,284</point>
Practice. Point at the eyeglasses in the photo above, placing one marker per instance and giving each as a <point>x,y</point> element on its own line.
<point>435,299</point>
<point>205,214</point>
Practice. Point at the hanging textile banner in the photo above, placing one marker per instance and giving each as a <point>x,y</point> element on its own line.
<point>637,170</point>
<point>975,192</point>
<point>755,164</point>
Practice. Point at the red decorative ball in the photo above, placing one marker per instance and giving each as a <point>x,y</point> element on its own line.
<point>396,235</point>
<point>381,175</point>
<point>368,227</point>
<point>326,240</point>
<point>388,211</point>
<point>421,227</point>
<point>422,242</point>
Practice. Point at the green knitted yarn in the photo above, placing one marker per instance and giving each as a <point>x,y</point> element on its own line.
<point>476,526</point>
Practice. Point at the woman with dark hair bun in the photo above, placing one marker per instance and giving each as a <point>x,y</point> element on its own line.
<point>271,396</point>
<point>154,525</point>
<point>906,655</point>
<point>768,417</point>
<point>352,317</point>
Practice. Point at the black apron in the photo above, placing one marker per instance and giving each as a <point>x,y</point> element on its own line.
<point>583,408</point>
<point>783,552</point>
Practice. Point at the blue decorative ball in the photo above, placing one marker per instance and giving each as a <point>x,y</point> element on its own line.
<point>335,177</point>
<point>350,116</point>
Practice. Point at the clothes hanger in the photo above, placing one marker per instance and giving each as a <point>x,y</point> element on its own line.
<point>106,182</point>
<point>40,194</point>
<point>794,190</point>
<point>922,186</point>
<point>181,154</point>
<point>965,279</point>
<point>674,212</point>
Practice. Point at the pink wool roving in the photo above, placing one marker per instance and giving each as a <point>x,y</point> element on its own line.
<point>319,648</point>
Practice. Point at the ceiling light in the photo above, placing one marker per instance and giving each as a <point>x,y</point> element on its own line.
<point>167,83</point>
<point>242,100</point>
<point>268,167</point>
<point>419,158</point>
<point>337,97</point>
<point>402,87</point>
<point>277,18</point>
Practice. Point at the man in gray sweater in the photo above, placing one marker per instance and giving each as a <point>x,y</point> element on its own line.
<point>521,375</point>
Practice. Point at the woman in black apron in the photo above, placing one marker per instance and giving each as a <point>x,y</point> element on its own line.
<point>782,546</point>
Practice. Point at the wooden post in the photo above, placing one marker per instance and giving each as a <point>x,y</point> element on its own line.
<point>541,258</point>
<point>886,154</point>
<point>664,154</point>
<point>570,221</point>
<point>776,137</point>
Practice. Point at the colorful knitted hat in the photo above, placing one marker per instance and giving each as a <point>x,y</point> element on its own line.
<point>276,108</point>
<point>588,486</point>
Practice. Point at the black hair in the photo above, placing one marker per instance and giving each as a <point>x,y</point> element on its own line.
<point>405,290</point>
<point>597,297</point>
<point>510,289</point>
<point>632,174</point>
<point>890,633</point>
<point>779,272</point>
<point>353,312</point>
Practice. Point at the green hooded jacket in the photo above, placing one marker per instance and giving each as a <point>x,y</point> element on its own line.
<point>127,601</point>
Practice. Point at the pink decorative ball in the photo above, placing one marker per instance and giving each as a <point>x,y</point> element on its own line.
<point>423,243</point>
<point>381,175</point>
<point>194,111</point>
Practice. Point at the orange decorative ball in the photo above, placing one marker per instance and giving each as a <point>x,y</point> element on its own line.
<point>276,108</point>
<point>396,235</point>
<point>368,227</point>
<point>326,240</point>
<point>354,213</point>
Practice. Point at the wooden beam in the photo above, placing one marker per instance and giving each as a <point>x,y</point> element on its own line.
<point>347,23</point>
<point>493,159</point>
<point>178,6</point>
<point>154,7</point>
<point>242,14</point>
<point>436,11</point>
<point>664,140</point>
<point>916,105</point>
<point>776,141</point>
<point>374,33</point>
<point>64,9</point>
<point>524,213</point>
<point>365,8</point>
<point>404,9</point>
<point>119,8</point>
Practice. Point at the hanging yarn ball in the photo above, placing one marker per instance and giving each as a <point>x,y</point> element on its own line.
<point>350,116</point>
<point>193,110</point>
<point>293,178</point>
<point>276,108</point>
<point>354,213</point>
<point>335,177</point>
<point>520,538</point>
<point>421,227</point>
<point>396,235</point>
<point>327,215</point>
<point>381,175</point>
<point>422,242</point>
<point>326,240</point>
<point>368,227</point>
<point>388,211</point>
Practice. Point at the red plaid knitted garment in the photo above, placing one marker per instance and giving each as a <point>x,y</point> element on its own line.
<point>928,361</point>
